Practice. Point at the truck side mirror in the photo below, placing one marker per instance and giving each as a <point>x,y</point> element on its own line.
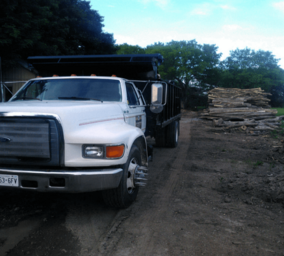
<point>156,98</point>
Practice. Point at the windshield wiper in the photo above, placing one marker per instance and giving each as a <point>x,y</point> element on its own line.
<point>77,98</point>
<point>28,98</point>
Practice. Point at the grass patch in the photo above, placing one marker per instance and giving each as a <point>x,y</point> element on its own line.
<point>249,162</point>
<point>274,134</point>
<point>257,163</point>
<point>272,165</point>
<point>253,164</point>
<point>280,111</point>
<point>280,132</point>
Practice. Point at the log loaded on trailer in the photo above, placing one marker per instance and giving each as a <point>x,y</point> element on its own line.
<point>87,132</point>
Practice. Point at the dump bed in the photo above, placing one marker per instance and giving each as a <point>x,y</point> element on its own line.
<point>171,110</point>
<point>130,66</point>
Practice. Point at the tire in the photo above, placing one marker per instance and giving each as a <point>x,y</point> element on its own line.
<point>125,194</point>
<point>173,133</point>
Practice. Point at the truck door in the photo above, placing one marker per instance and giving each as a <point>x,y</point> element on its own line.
<point>136,111</point>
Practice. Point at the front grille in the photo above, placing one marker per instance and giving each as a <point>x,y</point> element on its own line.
<point>25,139</point>
<point>31,141</point>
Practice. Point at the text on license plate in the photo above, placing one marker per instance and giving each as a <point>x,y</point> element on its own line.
<point>9,180</point>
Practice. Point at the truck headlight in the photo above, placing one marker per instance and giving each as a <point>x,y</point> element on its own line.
<point>103,151</point>
<point>93,151</point>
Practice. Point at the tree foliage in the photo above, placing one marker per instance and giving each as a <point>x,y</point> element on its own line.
<point>191,65</point>
<point>51,27</point>
<point>197,68</point>
<point>130,49</point>
<point>247,68</point>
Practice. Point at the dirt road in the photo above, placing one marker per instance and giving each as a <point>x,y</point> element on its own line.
<point>215,194</point>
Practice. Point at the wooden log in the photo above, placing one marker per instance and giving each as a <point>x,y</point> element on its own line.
<point>263,127</point>
<point>227,110</point>
<point>246,123</point>
<point>240,107</point>
<point>238,125</point>
<point>217,100</point>
<point>272,126</point>
<point>276,119</point>
<point>242,111</point>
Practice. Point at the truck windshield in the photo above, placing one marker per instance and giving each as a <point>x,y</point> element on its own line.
<point>71,89</point>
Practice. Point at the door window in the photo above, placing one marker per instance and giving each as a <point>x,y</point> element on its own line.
<point>132,97</point>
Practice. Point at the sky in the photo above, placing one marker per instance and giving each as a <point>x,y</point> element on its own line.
<point>229,24</point>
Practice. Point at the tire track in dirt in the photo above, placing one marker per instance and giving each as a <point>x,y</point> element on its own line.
<point>88,219</point>
<point>171,187</point>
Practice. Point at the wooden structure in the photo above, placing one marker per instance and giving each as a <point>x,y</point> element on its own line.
<point>14,78</point>
<point>241,108</point>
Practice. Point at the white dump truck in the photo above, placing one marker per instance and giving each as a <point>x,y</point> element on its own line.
<point>82,125</point>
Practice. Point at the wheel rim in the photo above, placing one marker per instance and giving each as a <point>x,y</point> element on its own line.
<point>130,176</point>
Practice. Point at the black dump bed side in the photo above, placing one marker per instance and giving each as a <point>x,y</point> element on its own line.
<point>130,66</point>
<point>171,110</point>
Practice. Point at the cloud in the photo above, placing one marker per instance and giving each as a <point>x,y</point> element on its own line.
<point>232,27</point>
<point>160,3</point>
<point>207,8</point>
<point>279,6</point>
<point>145,1</point>
<point>203,9</point>
<point>224,39</point>
<point>122,39</point>
<point>111,6</point>
<point>199,12</point>
<point>235,27</point>
<point>228,7</point>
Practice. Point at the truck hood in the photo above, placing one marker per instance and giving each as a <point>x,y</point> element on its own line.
<point>71,114</point>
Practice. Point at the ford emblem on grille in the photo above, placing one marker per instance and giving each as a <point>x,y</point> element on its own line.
<point>4,139</point>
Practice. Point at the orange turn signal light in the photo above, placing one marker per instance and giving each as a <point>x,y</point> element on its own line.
<point>114,151</point>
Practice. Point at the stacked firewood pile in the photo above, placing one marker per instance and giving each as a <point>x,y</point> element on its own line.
<point>246,109</point>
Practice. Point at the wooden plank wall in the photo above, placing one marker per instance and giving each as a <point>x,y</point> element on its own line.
<point>18,73</point>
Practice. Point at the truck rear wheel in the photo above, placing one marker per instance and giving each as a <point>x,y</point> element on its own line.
<point>173,133</point>
<point>125,194</point>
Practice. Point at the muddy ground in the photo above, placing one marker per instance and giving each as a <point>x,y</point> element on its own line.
<point>217,193</point>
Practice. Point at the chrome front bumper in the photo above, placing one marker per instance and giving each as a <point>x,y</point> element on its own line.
<point>65,181</point>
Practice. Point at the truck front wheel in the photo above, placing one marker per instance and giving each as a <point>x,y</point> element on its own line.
<point>126,192</point>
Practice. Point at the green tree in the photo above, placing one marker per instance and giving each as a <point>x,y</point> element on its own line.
<point>191,65</point>
<point>51,27</point>
<point>247,68</point>
<point>129,49</point>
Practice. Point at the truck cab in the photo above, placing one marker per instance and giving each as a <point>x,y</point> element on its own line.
<point>79,134</point>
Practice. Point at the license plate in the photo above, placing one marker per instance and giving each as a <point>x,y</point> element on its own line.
<point>9,180</point>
